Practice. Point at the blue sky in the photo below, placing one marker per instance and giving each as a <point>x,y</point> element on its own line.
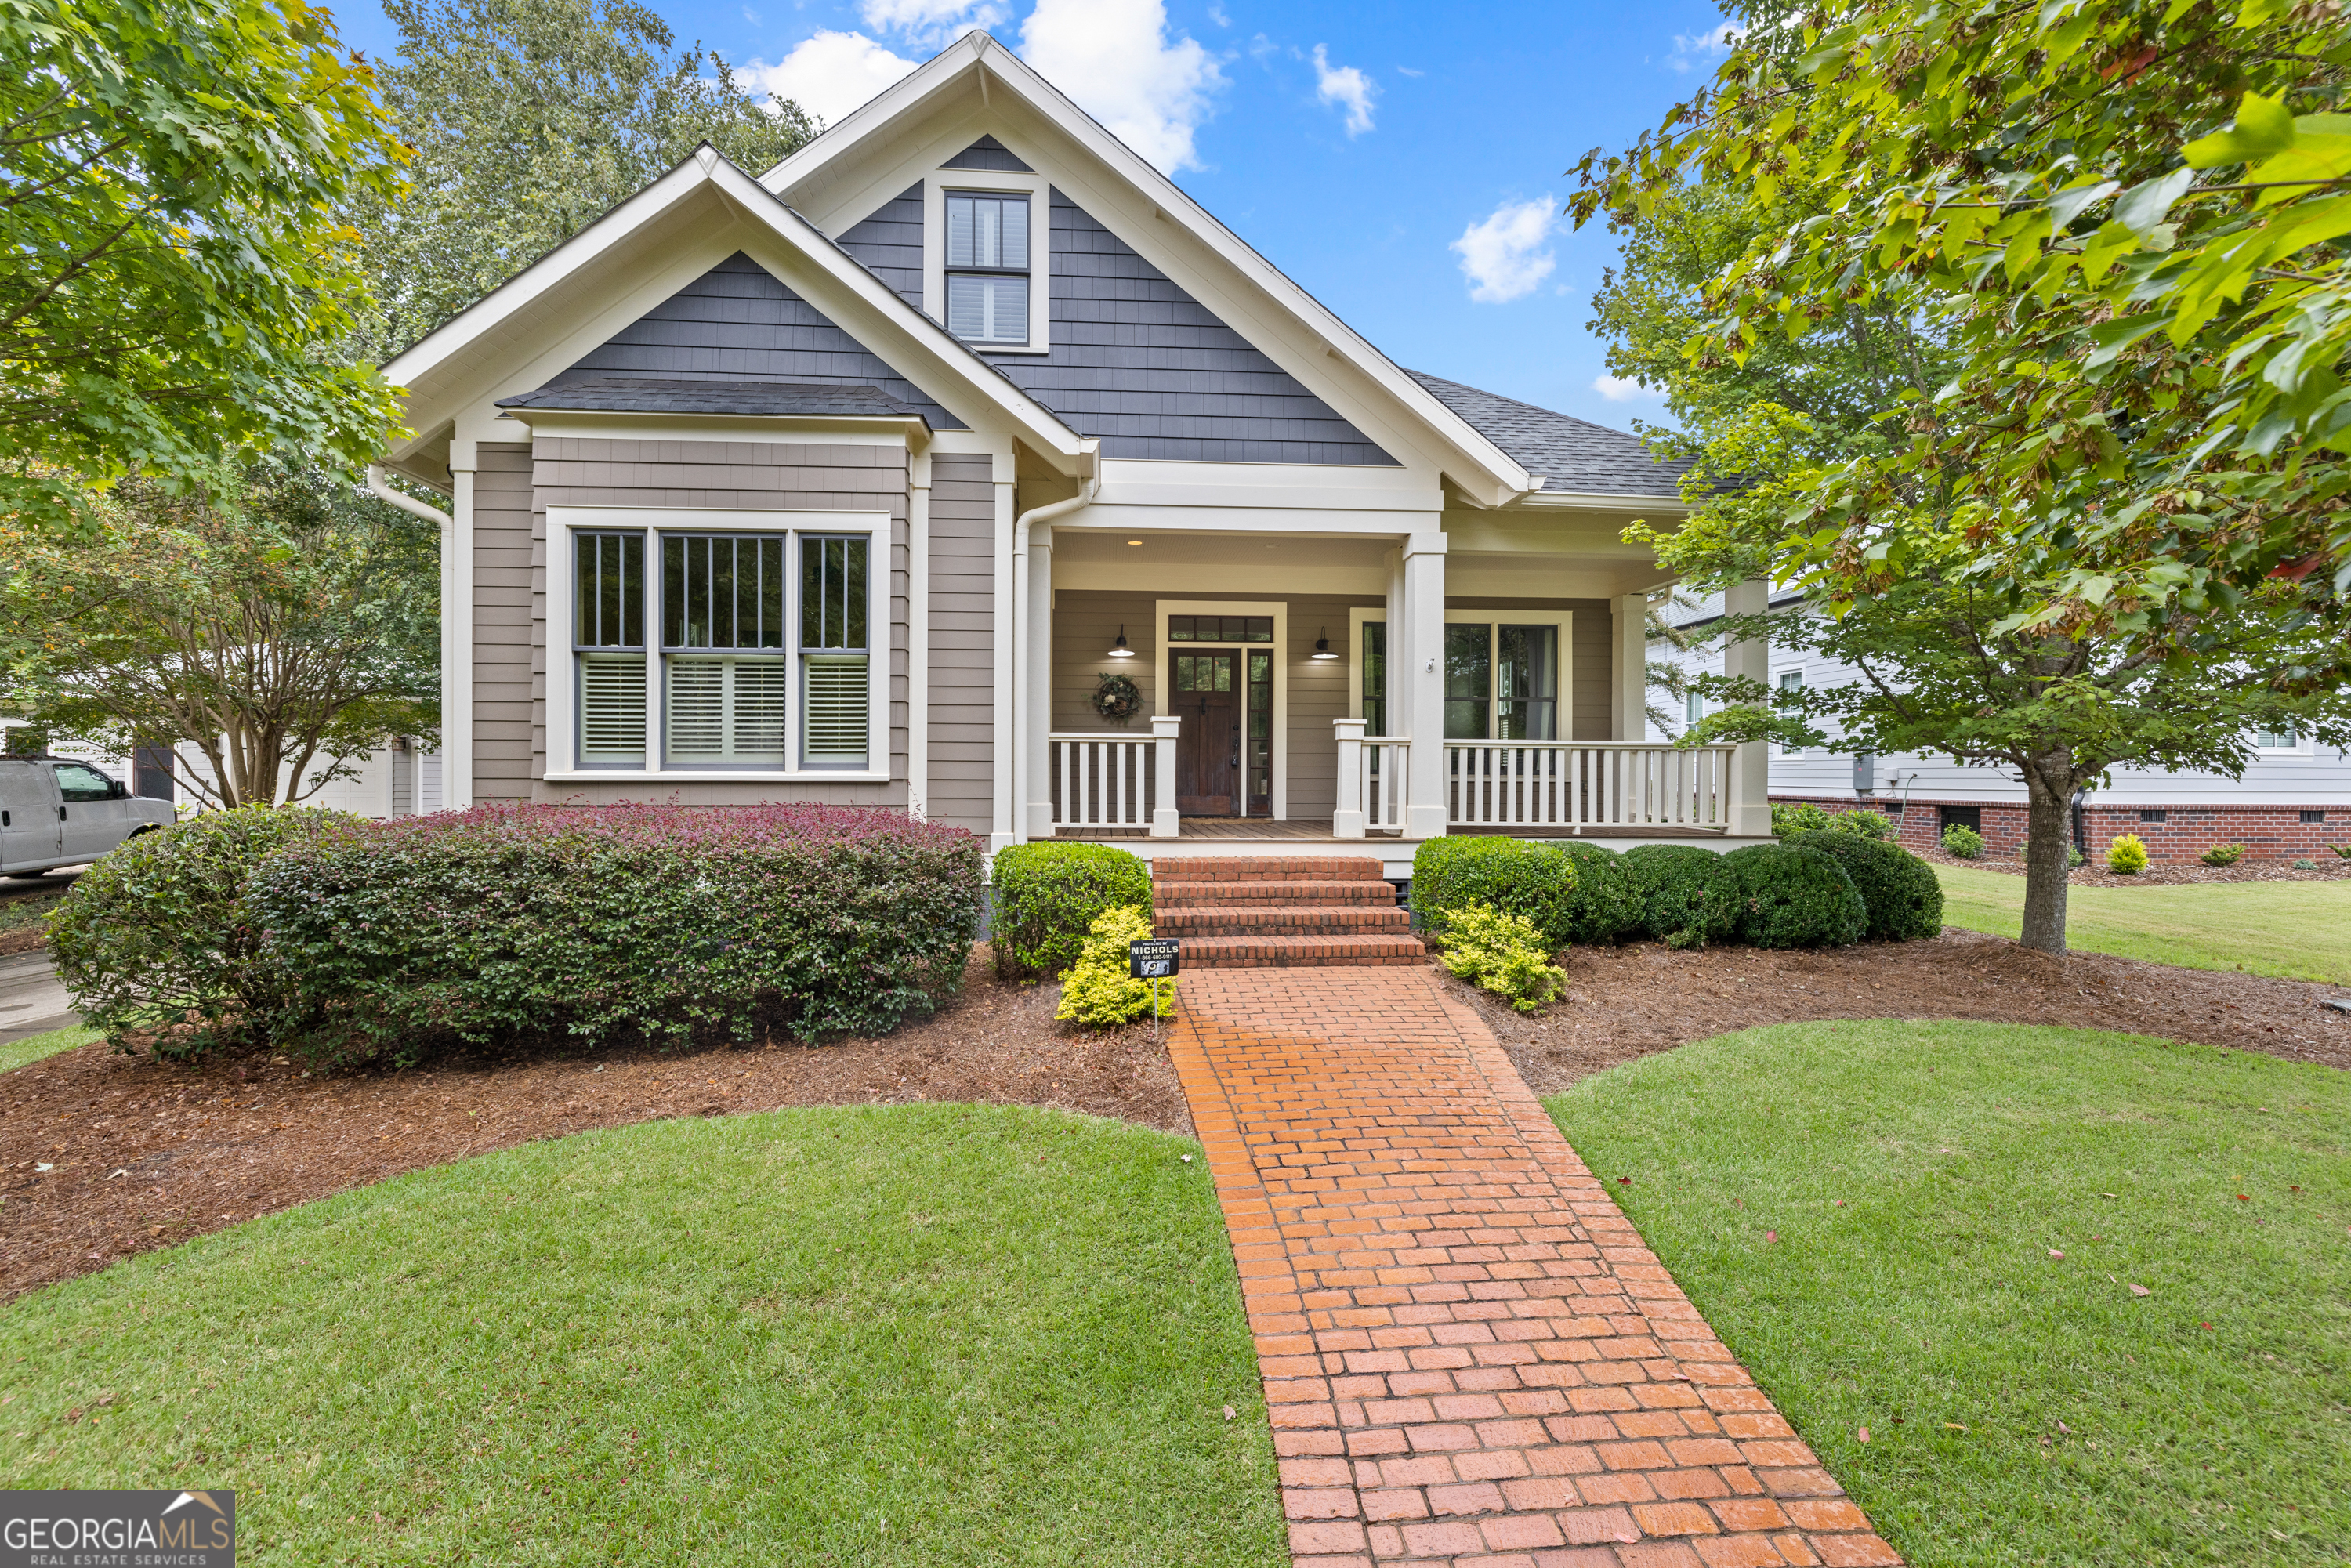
<point>1404,163</point>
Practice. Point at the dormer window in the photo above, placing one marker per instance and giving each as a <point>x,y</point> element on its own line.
<point>987,267</point>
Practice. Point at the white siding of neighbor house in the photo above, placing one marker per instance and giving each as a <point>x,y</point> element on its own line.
<point>2312,775</point>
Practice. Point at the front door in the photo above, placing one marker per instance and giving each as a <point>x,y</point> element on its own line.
<point>1208,698</point>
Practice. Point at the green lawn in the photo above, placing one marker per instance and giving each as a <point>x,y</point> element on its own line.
<point>932,1334</point>
<point>2022,1408</point>
<point>2301,930</point>
<point>33,1047</point>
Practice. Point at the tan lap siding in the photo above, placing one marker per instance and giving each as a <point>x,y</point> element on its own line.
<point>814,476</point>
<point>506,672</point>
<point>963,642</point>
<point>1086,622</point>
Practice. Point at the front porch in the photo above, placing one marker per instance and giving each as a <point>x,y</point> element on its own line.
<point>1351,693</point>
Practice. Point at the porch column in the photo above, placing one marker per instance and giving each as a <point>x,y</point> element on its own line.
<point>1751,766</point>
<point>1164,823</point>
<point>1037,677</point>
<point>1347,813</point>
<point>1629,692</point>
<point>1421,672</point>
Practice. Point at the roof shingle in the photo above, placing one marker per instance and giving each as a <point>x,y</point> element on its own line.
<point>1575,456</point>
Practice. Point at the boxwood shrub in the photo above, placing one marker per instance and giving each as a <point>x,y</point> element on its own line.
<point>1508,874</point>
<point>1048,897</point>
<point>156,936</point>
<point>1689,896</point>
<point>1606,908</point>
<point>1795,896</point>
<point>599,924</point>
<point>1901,893</point>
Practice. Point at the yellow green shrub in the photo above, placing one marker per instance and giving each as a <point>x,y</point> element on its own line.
<point>1098,991</point>
<point>2126,855</point>
<point>1501,952</point>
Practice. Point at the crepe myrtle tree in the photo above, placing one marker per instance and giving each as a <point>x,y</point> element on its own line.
<point>1947,664</point>
<point>273,616</point>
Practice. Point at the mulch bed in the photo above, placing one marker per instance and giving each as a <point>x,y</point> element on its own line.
<point>145,1154</point>
<point>2325,867</point>
<point>1623,1002</point>
<point>25,903</point>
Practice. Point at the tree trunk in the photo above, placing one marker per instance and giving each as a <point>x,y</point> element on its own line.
<point>2047,838</point>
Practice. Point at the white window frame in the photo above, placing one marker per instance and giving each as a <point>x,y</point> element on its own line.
<point>562,683</point>
<point>991,183</point>
<point>1562,618</point>
<point>2302,745</point>
<point>1780,683</point>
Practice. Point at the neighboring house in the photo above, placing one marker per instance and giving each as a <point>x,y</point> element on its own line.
<point>2293,801</point>
<point>399,782</point>
<point>851,482</point>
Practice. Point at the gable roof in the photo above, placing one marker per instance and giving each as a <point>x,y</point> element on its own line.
<point>976,70</point>
<point>602,280</point>
<point>1573,455</point>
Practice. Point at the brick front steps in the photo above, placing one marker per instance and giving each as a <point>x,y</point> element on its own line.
<point>1283,912</point>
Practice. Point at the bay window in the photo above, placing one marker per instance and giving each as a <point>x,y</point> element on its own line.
<point>760,658</point>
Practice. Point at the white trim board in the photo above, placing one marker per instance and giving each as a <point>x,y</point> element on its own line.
<point>1280,611</point>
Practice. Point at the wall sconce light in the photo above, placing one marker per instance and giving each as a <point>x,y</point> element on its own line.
<point>1119,649</point>
<point>1322,645</point>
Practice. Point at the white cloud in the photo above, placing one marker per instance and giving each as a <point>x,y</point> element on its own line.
<point>831,74</point>
<point>1705,48</point>
<point>1618,389</point>
<point>933,22</point>
<point>1113,59</point>
<point>1346,86</point>
<point>1409,71</point>
<point>1216,14</point>
<point>1500,253</point>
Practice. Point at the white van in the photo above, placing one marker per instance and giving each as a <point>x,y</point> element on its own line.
<point>55,811</point>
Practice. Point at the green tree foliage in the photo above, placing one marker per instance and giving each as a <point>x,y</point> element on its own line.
<point>2095,543</point>
<point>167,261</point>
<point>531,118</point>
<point>277,618</point>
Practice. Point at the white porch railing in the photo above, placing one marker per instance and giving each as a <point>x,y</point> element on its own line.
<point>1102,780</point>
<point>1370,781</point>
<point>1576,784</point>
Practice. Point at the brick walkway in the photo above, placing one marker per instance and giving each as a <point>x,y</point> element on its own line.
<point>1469,1358</point>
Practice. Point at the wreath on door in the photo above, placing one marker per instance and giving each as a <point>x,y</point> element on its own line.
<point>1117,698</point>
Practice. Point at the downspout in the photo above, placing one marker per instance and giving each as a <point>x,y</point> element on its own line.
<point>381,488</point>
<point>1023,610</point>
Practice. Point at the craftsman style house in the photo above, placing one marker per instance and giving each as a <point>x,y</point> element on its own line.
<point>857,480</point>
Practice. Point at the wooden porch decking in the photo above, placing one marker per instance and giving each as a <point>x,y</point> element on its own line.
<point>1264,830</point>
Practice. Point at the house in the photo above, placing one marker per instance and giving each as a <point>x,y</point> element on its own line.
<point>854,481</point>
<point>2293,801</point>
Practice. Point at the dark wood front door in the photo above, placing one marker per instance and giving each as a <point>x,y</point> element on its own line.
<point>1208,698</point>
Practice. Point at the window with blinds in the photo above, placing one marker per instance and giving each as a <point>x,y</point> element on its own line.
<point>723,646</point>
<point>836,677</point>
<point>987,267</point>
<point>720,651</point>
<point>609,647</point>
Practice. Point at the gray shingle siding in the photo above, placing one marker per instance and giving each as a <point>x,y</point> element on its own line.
<point>987,153</point>
<point>1136,360</point>
<point>738,322</point>
<point>890,244</point>
<point>1574,455</point>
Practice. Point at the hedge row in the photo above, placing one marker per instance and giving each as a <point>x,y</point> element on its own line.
<point>1822,888</point>
<point>394,939</point>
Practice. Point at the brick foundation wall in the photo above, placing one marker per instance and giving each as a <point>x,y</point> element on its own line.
<point>2268,832</point>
